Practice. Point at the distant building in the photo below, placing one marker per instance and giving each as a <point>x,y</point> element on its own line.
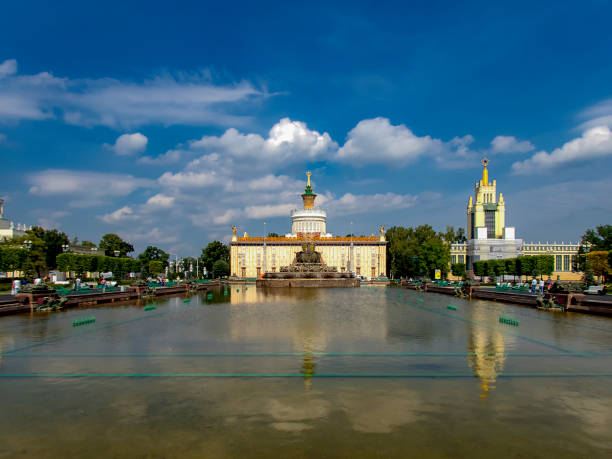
<point>489,237</point>
<point>251,257</point>
<point>8,230</point>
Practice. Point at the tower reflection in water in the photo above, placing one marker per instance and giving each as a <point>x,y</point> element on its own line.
<point>487,350</point>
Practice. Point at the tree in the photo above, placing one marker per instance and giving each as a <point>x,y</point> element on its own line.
<point>598,260</point>
<point>273,235</point>
<point>449,235</point>
<point>416,251</point>
<point>88,244</point>
<point>598,239</point>
<point>458,270</point>
<point>155,267</point>
<point>152,254</point>
<point>220,268</point>
<point>54,240</point>
<point>460,236</point>
<point>111,242</point>
<point>215,250</point>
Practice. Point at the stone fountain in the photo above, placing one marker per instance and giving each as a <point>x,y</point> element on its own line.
<point>308,270</point>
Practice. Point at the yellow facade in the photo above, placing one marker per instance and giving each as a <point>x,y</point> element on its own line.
<point>489,210</point>
<point>250,257</point>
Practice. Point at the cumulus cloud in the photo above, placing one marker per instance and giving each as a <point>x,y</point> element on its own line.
<point>159,201</point>
<point>8,67</point>
<point>599,114</point>
<point>350,203</point>
<point>167,100</point>
<point>124,213</point>
<point>189,179</point>
<point>509,144</point>
<point>84,188</point>
<point>594,143</point>
<point>171,156</point>
<point>129,144</point>
<point>377,140</point>
<point>268,210</point>
<point>287,141</point>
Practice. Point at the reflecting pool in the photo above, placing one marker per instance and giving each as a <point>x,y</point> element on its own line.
<point>361,372</point>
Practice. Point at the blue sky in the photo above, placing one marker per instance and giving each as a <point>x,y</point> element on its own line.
<point>169,122</point>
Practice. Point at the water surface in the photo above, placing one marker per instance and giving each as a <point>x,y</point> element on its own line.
<point>360,372</point>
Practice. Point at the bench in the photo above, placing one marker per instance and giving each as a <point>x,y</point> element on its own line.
<point>595,290</point>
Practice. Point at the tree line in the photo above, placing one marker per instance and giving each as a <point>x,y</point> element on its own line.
<point>534,265</point>
<point>40,251</point>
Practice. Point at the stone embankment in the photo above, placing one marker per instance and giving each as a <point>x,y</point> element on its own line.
<point>575,302</point>
<point>10,304</point>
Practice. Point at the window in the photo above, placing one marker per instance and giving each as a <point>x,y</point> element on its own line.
<point>490,223</point>
<point>558,263</point>
<point>453,259</point>
<point>461,258</point>
<point>566,262</point>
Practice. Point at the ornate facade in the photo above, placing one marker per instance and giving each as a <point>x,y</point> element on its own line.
<point>251,257</point>
<point>8,230</point>
<point>490,238</point>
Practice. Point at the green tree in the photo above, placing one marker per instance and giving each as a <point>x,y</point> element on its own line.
<point>598,260</point>
<point>460,236</point>
<point>458,270</point>
<point>220,268</point>
<point>273,235</point>
<point>155,267</point>
<point>111,242</point>
<point>599,239</point>
<point>54,240</point>
<point>416,251</point>
<point>88,244</point>
<point>152,254</point>
<point>215,250</point>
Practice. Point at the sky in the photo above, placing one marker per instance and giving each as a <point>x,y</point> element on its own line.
<point>169,122</point>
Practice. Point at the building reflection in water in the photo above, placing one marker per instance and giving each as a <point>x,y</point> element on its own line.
<point>487,348</point>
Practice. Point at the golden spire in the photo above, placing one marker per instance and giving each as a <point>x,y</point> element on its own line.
<point>308,174</point>
<point>485,172</point>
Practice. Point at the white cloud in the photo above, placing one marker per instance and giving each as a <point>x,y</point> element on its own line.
<point>594,143</point>
<point>509,144</point>
<point>226,217</point>
<point>599,114</point>
<point>8,67</point>
<point>167,100</point>
<point>377,140</point>
<point>351,203</point>
<point>129,144</point>
<point>124,213</point>
<point>189,179</point>
<point>160,201</point>
<point>268,210</point>
<point>84,188</point>
<point>171,156</point>
<point>155,236</point>
<point>287,141</point>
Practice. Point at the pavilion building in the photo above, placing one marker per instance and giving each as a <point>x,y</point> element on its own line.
<point>489,237</point>
<point>251,257</point>
<point>8,229</point>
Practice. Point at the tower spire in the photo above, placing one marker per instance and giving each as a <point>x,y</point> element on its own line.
<point>485,172</point>
<point>308,197</point>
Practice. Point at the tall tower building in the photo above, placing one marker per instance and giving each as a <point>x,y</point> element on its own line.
<point>488,236</point>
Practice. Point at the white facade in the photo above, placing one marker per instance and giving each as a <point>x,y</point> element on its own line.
<point>8,230</point>
<point>308,221</point>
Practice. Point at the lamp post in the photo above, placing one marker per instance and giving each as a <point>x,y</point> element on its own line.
<point>351,250</point>
<point>265,258</point>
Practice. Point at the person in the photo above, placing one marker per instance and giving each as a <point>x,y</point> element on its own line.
<point>38,281</point>
<point>548,284</point>
<point>534,284</point>
<point>77,283</point>
<point>542,286</point>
